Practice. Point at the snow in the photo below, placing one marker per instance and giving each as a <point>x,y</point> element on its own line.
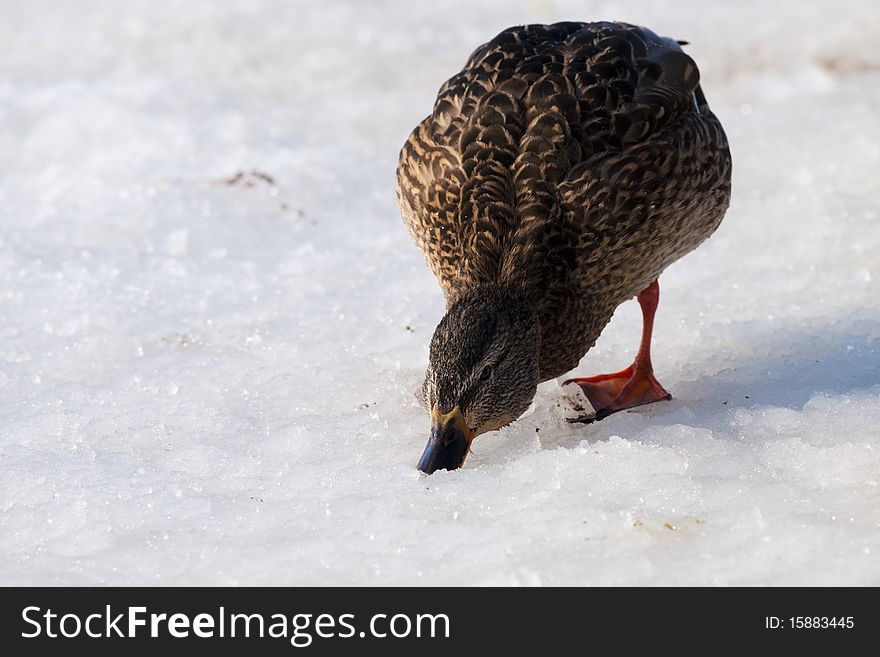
<point>213,323</point>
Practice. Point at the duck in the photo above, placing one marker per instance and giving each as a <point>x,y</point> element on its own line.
<point>561,171</point>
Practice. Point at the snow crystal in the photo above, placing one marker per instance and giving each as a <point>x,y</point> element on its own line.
<point>214,323</point>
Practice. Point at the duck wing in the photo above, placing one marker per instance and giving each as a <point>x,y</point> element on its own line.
<point>494,184</point>
<point>642,208</point>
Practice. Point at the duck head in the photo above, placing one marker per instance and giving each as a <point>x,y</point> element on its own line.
<point>482,372</point>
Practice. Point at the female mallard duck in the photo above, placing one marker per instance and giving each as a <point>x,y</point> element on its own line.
<point>561,171</point>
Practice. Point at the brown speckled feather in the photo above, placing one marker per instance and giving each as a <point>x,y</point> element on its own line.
<point>573,161</point>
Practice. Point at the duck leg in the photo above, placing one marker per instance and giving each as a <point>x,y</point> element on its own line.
<point>634,386</point>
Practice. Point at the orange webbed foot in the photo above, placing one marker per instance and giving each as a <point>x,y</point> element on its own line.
<point>609,393</point>
<point>634,386</point>
<point>603,389</point>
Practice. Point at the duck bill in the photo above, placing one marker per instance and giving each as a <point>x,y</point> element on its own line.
<point>449,444</point>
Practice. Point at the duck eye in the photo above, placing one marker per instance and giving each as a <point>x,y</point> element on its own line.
<point>486,374</point>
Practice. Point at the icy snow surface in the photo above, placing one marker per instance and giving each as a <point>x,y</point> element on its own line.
<point>208,378</point>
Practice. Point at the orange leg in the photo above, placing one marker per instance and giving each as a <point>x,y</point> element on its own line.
<point>636,385</point>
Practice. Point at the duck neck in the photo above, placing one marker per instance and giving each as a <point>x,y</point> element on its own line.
<point>507,299</point>
<point>508,306</point>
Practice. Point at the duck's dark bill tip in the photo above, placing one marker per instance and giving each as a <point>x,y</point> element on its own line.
<point>444,454</point>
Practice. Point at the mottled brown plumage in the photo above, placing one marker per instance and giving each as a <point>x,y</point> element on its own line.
<point>567,165</point>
